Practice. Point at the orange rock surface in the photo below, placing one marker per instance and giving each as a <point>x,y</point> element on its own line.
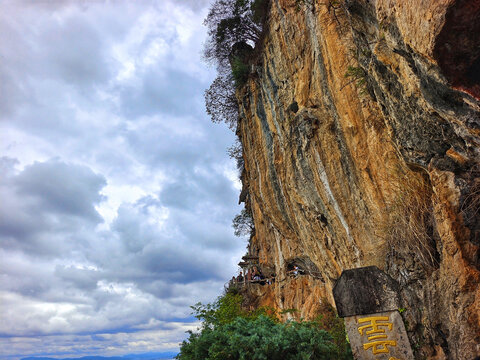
<point>360,151</point>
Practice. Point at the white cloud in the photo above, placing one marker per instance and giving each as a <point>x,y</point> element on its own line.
<point>118,195</point>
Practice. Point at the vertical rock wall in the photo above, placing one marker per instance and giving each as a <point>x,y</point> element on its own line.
<point>362,147</point>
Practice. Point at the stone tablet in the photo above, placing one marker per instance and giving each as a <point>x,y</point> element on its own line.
<point>380,336</point>
<point>368,300</point>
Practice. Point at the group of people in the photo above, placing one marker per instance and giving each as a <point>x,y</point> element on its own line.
<point>295,271</point>
<point>253,275</point>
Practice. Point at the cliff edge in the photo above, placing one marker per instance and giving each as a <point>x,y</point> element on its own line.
<point>360,127</point>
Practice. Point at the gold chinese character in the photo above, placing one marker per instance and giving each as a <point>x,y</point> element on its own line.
<point>377,339</point>
<point>375,345</point>
<point>374,324</point>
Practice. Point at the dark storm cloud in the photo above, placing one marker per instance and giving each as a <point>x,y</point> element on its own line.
<point>181,249</point>
<point>177,266</point>
<point>17,268</point>
<point>181,146</point>
<point>67,47</point>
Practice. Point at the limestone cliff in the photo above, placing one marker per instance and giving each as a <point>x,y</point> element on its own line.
<point>360,124</point>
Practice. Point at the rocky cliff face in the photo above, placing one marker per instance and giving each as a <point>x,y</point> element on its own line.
<point>360,125</point>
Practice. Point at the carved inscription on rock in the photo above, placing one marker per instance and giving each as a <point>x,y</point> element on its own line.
<point>380,336</point>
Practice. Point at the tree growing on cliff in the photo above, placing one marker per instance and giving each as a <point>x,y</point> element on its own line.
<point>236,152</point>
<point>234,27</point>
<point>243,223</point>
<point>220,101</point>
<point>230,22</point>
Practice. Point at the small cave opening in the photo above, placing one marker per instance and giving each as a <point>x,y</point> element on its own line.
<point>304,265</point>
<point>457,48</point>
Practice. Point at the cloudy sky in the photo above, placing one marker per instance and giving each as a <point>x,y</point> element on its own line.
<point>116,190</point>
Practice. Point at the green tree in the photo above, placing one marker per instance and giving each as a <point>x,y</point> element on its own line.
<point>230,333</point>
<point>223,311</point>
<point>261,338</point>
<point>327,319</point>
<point>240,71</point>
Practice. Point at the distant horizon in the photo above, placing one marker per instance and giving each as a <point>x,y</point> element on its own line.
<point>167,355</point>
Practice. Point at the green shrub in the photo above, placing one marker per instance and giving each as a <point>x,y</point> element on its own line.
<point>259,339</point>
<point>359,76</point>
<point>240,71</point>
<point>230,333</point>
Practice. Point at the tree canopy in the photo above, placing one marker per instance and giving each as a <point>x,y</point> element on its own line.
<point>262,339</point>
<point>230,333</point>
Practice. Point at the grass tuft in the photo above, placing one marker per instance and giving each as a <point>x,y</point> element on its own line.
<point>409,225</point>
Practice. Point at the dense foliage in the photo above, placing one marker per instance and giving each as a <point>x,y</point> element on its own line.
<point>262,339</point>
<point>229,333</point>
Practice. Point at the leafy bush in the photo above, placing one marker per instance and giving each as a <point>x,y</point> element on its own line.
<point>229,332</point>
<point>261,339</point>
